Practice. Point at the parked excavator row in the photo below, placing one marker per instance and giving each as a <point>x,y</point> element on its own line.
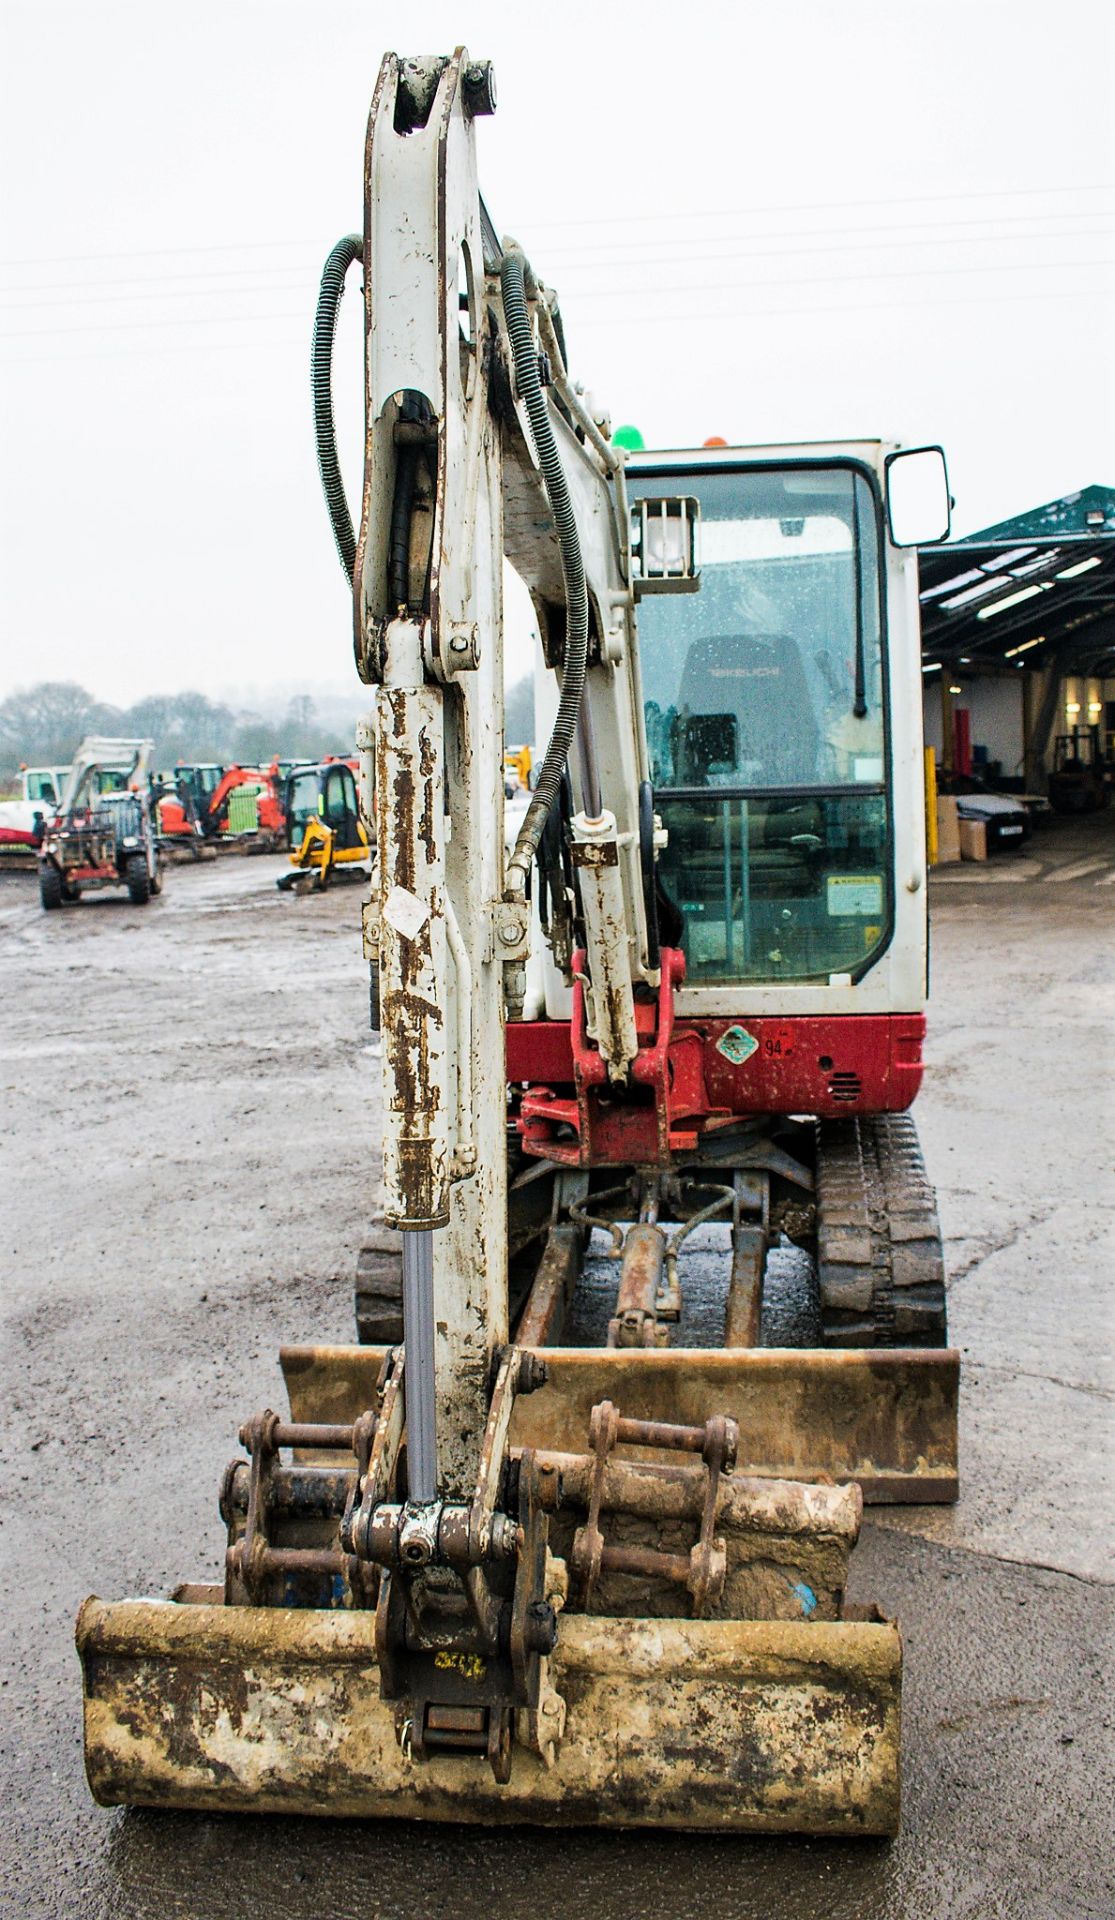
<point>309,807</point>
<point>201,804</point>
<point>576,1549</point>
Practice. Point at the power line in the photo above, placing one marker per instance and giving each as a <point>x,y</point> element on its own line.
<point>840,279</point>
<point>164,349</point>
<point>825,206</point>
<point>87,297</point>
<point>792,253</point>
<point>625,291</point>
<point>625,219</point>
<point>158,253</point>
<point>102,292</point>
<point>92,288</point>
<point>579,325</point>
<point>142,326</point>
<point>906,227</point>
<point>807,309</point>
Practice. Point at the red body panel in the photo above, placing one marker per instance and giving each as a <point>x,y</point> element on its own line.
<point>172,819</point>
<point>815,1064</point>
<point>269,808</point>
<point>693,1076</point>
<point>850,1063</point>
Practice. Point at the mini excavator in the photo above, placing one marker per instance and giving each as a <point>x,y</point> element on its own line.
<point>327,826</point>
<point>545,1559</point>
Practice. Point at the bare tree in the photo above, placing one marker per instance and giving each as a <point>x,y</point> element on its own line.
<point>47,722</point>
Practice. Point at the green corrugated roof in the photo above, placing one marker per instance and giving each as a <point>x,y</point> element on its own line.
<point>1075,513</point>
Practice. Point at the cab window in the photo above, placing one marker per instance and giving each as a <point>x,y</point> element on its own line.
<point>764,698</point>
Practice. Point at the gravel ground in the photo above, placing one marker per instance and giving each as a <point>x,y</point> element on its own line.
<point>187,1089</point>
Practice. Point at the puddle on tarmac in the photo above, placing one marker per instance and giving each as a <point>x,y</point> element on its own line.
<point>791,1316</point>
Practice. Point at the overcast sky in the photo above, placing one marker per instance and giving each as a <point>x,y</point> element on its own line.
<point>766,220</point>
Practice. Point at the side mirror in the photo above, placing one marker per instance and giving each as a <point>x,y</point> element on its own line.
<point>919,506</point>
<point>664,544</point>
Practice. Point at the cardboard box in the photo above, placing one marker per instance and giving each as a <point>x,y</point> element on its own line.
<point>948,830</point>
<point>973,840</point>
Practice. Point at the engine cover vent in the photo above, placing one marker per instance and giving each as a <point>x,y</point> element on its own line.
<point>845,1086</point>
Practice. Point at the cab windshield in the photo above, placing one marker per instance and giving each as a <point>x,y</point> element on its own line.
<point>305,800</point>
<point>764,698</point>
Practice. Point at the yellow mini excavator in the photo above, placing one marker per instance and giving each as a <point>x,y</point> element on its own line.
<point>326,827</point>
<point>575,1549</point>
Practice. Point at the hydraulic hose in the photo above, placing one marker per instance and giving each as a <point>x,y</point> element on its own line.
<point>513,284</point>
<point>402,510</point>
<point>344,254</point>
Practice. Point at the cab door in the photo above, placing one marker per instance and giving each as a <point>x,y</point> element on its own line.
<point>339,789</point>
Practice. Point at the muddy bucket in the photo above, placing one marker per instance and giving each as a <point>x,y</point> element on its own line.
<point>725,1726</point>
<point>778,1711</point>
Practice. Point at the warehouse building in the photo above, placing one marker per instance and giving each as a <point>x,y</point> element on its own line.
<point>1018,641</point>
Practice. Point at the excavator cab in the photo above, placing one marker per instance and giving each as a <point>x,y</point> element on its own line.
<point>766,703</point>
<point>197,783</point>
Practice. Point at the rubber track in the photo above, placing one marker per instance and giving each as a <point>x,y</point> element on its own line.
<point>879,1261</point>
<point>379,1289</point>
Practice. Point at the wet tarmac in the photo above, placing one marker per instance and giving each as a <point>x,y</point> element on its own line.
<point>188,1097</point>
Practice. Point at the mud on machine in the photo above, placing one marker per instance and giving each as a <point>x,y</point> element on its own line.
<point>510,1567</point>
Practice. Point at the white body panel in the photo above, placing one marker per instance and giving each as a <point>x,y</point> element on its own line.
<point>19,816</point>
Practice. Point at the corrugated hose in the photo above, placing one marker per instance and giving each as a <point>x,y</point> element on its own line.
<point>343,256</point>
<point>513,271</point>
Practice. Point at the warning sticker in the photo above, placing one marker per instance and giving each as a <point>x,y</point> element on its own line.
<point>737,1045</point>
<point>856,895</point>
<point>405,912</point>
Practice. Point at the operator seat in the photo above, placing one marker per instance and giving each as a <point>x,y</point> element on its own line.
<point>754,685</point>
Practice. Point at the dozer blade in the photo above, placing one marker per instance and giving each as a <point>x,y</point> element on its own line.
<point>884,1418</point>
<point>731,1726</point>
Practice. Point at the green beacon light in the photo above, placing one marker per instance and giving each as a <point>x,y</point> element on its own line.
<point>629,437</point>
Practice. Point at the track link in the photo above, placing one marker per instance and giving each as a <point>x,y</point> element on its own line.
<point>379,1289</point>
<point>879,1261</point>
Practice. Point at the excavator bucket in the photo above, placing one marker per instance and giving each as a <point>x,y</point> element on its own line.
<point>786,1722</point>
<point>739,1726</point>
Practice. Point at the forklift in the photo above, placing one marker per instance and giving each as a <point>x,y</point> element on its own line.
<point>1079,782</point>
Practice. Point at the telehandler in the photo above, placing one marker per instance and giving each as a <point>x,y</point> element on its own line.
<point>524,1565</point>
<point>103,832</point>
